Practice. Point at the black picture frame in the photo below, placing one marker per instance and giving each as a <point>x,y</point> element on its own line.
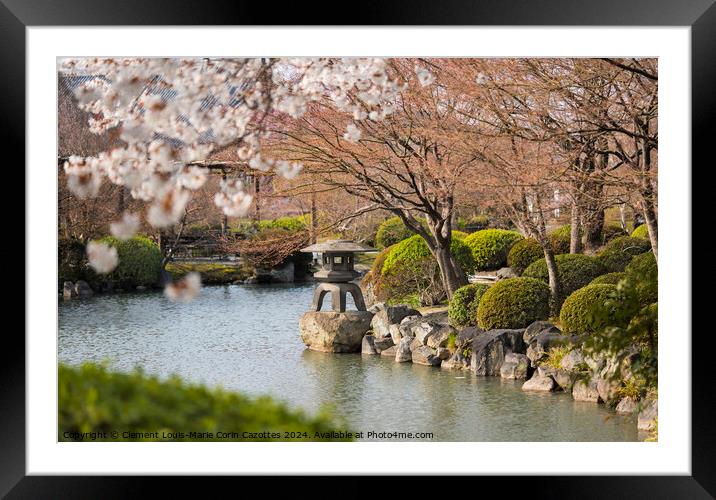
<point>700,15</point>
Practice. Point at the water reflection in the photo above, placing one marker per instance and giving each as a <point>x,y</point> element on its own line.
<point>246,338</point>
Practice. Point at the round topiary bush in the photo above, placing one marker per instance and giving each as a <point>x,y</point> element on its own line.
<point>513,303</point>
<point>460,235</point>
<point>608,279</point>
<point>462,310</point>
<point>490,247</point>
<point>523,253</point>
<point>560,238</point>
<point>140,262</point>
<point>587,309</point>
<point>410,268</point>
<point>575,271</point>
<point>618,253</point>
<point>373,278</point>
<point>643,272</point>
<point>641,231</point>
<point>390,232</point>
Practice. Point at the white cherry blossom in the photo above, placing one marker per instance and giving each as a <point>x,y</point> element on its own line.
<point>185,290</point>
<point>352,134</point>
<point>126,227</point>
<point>102,257</point>
<point>425,77</point>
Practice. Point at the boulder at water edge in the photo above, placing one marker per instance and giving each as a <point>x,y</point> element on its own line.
<point>586,390</point>
<point>490,348</point>
<point>539,383</point>
<point>516,366</point>
<point>328,331</point>
<point>646,421</point>
<point>390,315</point>
<point>368,345</point>
<point>627,406</point>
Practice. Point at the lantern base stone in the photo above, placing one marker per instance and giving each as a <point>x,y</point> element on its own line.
<point>327,331</point>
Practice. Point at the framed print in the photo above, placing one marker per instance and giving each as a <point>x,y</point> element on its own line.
<point>436,235</point>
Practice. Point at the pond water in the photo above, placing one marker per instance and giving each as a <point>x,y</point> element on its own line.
<point>245,338</point>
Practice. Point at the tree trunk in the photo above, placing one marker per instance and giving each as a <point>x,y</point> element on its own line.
<point>623,217</point>
<point>314,219</point>
<point>593,219</point>
<point>452,275</point>
<point>555,285</point>
<point>224,218</point>
<point>575,242</point>
<point>651,222</point>
<point>257,194</point>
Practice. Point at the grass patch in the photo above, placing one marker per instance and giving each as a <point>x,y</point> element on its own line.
<point>211,273</point>
<point>555,356</point>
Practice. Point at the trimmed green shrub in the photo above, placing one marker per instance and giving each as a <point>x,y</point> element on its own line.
<point>608,279</point>
<point>410,268</point>
<point>612,231</point>
<point>523,253</point>
<point>290,224</point>
<point>140,262</point>
<point>460,235</point>
<point>462,310</point>
<point>560,238</point>
<point>374,276</point>
<point>390,232</point>
<point>513,303</point>
<point>490,247</point>
<point>413,250</point>
<point>575,271</point>
<point>644,273</point>
<point>588,309</point>
<point>641,231</point>
<point>618,253</point>
<point>94,399</point>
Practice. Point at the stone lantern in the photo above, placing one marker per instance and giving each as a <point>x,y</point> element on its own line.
<point>337,273</point>
<point>336,330</point>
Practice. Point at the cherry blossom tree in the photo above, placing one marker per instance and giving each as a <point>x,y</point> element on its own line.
<point>408,160</point>
<point>169,114</point>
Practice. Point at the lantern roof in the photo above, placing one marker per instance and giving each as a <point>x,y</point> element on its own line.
<point>338,246</point>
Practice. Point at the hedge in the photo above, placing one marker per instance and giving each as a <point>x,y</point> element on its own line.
<point>414,249</point>
<point>560,238</point>
<point>93,399</point>
<point>523,253</point>
<point>140,262</point>
<point>641,231</point>
<point>490,247</point>
<point>587,311</point>
<point>410,267</point>
<point>462,310</point>
<point>644,273</point>
<point>290,224</point>
<point>513,303</point>
<point>608,279</point>
<point>390,232</point>
<point>373,277</point>
<point>618,253</point>
<point>574,270</point>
